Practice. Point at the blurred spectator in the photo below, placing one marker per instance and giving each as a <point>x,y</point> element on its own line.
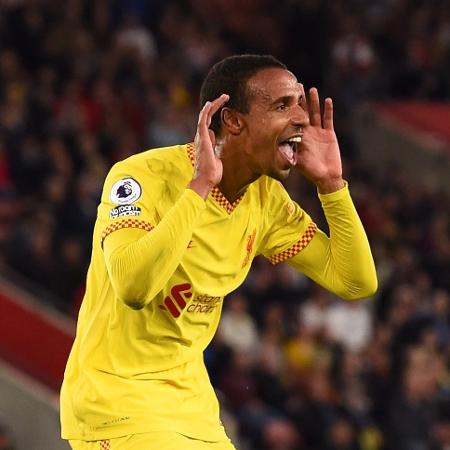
<point>441,312</point>
<point>413,410</point>
<point>313,312</point>
<point>237,327</point>
<point>345,316</point>
<point>135,38</point>
<point>341,436</point>
<point>441,433</point>
<point>280,434</point>
<point>6,442</point>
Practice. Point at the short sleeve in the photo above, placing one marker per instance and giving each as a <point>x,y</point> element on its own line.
<point>288,228</point>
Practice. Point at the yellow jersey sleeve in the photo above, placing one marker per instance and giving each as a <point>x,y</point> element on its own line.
<point>342,263</point>
<point>127,202</point>
<point>288,228</point>
<point>142,242</point>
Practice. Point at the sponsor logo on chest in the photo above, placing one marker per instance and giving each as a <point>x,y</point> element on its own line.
<point>181,298</point>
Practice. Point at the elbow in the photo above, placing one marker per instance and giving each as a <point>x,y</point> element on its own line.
<point>125,285</point>
<point>131,298</point>
<point>127,293</point>
<point>134,303</point>
<point>372,287</point>
<point>364,288</point>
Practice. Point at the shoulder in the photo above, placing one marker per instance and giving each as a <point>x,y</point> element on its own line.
<point>167,164</point>
<point>276,202</point>
<point>271,190</point>
<point>165,161</point>
<point>153,171</point>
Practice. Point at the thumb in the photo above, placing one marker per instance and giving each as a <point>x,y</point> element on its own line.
<point>212,136</point>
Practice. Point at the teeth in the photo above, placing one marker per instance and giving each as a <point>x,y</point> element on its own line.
<point>295,139</point>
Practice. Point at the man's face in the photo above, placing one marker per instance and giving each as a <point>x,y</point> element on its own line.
<point>275,121</point>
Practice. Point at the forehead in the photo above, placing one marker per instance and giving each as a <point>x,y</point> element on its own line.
<point>269,84</point>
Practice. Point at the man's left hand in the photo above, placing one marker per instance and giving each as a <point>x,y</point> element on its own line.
<point>319,158</point>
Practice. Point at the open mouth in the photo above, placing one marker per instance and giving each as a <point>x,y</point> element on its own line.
<point>288,149</point>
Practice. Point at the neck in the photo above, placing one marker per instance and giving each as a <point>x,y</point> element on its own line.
<point>237,174</point>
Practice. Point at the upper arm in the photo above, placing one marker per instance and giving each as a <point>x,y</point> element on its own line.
<point>127,209</point>
<point>343,265</point>
<point>288,228</point>
<point>345,277</point>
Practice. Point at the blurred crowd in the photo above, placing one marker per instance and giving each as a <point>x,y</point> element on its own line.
<point>84,84</point>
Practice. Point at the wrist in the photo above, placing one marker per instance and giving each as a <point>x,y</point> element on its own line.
<point>201,187</point>
<point>330,185</point>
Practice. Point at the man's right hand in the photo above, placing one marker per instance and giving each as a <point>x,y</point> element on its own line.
<point>208,167</point>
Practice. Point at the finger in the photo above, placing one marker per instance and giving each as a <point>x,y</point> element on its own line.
<point>203,113</point>
<point>218,103</point>
<point>314,108</point>
<point>328,114</point>
<point>202,126</point>
<point>212,138</point>
<point>209,109</point>
<point>197,138</point>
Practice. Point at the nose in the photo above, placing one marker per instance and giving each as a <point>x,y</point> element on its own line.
<point>300,117</point>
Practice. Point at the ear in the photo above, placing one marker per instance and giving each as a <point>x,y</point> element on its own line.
<point>232,120</point>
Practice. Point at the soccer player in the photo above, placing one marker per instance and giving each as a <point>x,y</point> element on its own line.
<point>177,230</point>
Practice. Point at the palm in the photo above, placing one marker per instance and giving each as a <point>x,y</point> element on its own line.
<point>207,164</point>
<point>206,160</point>
<point>319,156</point>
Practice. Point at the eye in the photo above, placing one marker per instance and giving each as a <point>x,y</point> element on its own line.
<point>281,107</point>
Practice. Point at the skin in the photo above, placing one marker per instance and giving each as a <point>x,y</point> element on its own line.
<point>248,145</point>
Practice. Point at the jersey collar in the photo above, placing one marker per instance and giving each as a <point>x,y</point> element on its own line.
<point>218,197</point>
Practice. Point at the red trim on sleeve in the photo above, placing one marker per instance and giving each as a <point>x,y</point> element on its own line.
<point>105,445</point>
<point>300,245</point>
<point>128,223</point>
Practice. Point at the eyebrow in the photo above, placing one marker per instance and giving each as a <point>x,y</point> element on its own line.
<point>286,99</point>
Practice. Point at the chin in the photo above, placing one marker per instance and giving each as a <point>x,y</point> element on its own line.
<point>281,174</point>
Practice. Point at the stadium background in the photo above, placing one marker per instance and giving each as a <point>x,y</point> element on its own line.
<point>84,84</point>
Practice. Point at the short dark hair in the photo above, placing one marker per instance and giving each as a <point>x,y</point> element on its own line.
<point>229,76</point>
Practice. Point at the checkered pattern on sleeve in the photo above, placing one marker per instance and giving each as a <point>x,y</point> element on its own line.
<point>300,245</point>
<point>127,223</point>
<point>105,445</point>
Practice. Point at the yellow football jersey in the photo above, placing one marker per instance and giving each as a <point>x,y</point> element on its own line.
<point>140,368</point>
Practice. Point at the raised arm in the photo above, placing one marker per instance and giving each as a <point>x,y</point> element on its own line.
<point>342,262</point>
<point>141,258</point>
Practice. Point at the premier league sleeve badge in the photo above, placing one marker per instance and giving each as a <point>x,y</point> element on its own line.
<point>125,191</point>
